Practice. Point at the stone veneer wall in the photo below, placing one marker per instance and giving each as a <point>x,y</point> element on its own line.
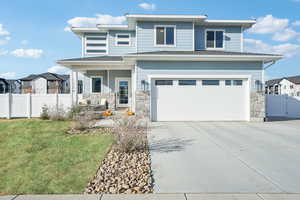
<point>257,106</point>
<point>96,99</point>
<point>142,103</point>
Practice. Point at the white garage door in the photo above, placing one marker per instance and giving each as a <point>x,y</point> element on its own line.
<point>199,100</point>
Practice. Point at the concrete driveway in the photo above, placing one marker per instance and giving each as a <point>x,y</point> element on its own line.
<point>225,156</point>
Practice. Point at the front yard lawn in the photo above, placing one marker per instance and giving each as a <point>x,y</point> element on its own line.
<point>38,157</point>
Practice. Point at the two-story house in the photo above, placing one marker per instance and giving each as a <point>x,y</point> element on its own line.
<point>173,68</point>
<point>286,85</point>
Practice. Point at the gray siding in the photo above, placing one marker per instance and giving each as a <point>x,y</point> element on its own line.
<point>112,74</point>
<point>232,37</point>
<point>145,68</point>
<point>121,50</point>
<point>145,36</point>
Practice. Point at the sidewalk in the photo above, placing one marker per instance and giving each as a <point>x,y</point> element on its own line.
<point>184,196</point>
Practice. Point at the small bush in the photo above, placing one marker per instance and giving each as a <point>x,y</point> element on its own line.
<point>83,121</point>
<point>74,112</point>
<point>45,113</point>
<point>129,134</point>
<point>57,113</point>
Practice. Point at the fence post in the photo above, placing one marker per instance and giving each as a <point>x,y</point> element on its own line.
<point>56,101</point>
<point>8,106</point>
<point>29,105</point>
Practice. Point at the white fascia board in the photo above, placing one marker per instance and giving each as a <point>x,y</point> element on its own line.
<point>203,58</point>
<point>144,16</point>
<point>83,30</point>
<point>106,27</point>
<point>243,23</point>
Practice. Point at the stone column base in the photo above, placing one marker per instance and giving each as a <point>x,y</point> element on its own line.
<point>257,107</point>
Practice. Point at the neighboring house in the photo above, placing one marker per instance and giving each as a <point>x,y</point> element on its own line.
<point>4,86</point>
<point>10,86</point>
<point>172,68</point>
<point>46,83</point>
<point>287,85</point>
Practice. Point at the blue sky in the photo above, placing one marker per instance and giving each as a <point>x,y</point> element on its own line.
<point>33,33</point>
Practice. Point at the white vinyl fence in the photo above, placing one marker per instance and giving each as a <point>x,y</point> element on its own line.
<point>30,105</point>
<point>282,106</point>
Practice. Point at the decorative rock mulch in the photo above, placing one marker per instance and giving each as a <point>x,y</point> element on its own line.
<point>123,173</point>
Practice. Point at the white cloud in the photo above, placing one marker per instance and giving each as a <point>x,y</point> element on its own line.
<point>296,23</point>
<point>269,24</point>
<point>3,52</point>
<point>147,6</point>
<point>4,40</point>
<point>93,21</point>
<point>57,69</point>
<point>285,35</point>
<point>27,53</point>
<point>24,42</point>
<point>8,75</point>
<point>3,31</point>
<point>286,49</point>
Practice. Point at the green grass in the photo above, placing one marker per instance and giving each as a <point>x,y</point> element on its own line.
<point>38,157</point>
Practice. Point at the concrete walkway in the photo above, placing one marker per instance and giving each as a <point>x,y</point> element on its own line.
<point>178,196</point>
<point>230,157</point>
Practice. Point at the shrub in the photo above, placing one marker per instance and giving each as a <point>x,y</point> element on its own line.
<point>45,113</point>
<point>83,121</point>
<point>74,112</point>
<point>130,136</point>
<point>57,113</point>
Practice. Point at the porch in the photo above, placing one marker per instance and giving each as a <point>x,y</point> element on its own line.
<point>114,86</point>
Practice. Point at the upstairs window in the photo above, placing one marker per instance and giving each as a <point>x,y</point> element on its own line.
<point>96,43</point>
<point>123,39</point>
<point>214,39</point>
<point>165,35</point>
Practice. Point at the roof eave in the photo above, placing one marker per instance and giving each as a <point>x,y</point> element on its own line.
<point>265,59</point>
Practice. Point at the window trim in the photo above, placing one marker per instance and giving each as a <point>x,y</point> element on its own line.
<point>89,41</point>
<point>214,48</point>
<point>118,40</point>
<point>165,45</point>
<point>91,84</point>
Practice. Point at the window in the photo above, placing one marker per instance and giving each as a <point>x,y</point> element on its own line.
<point>233,82</point>
<point>298,94</point>
<point>96,43</point>
<point>186,82</point>
<point>96,84</point>
<point>215,39</point>
<point>163,82</point>
<point>237,82</point>
<point>165,35</point>
<point>228,82</point>
<point>123,39</point>
<point>210,82</point>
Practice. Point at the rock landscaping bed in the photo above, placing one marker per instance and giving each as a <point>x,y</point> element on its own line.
<point>127,167</point>
<point>123,173</point>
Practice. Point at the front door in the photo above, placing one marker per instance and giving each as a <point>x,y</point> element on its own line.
<point>123,89</point>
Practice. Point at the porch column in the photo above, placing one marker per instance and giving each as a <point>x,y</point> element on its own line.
<point>74,86</point>
<point>108,79</point>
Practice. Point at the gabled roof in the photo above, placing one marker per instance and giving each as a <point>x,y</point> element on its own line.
<point>48,76</point>
<point>273,81</point>
<point>293,79</point>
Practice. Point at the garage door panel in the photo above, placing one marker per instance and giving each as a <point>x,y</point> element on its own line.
<point>199,103</point>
